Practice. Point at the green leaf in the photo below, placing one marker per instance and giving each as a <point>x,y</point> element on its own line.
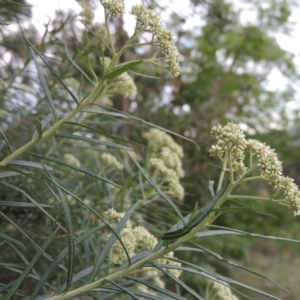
<point>176,280</point>
<point>121,69</point>
<point>2,143</point>
<point>68,221</point>
<point>6,141</point>
<point>76,66</point>
<point>113,137</point>
<point>30,164</point>
<point>52,71</point>
<point>198,270</point>
<point>148,124</point>
<point>44,86</point>
<point>39,129</point>
<point>91,140</point>
<point>20,204</point>
<point>25,235</point>
<point>99,37</point>
<point>8,174</point>
<point>45,121</point>
<point>153,184</point>
<point>11,240</point>
<point>86,172</point>
<point>156,288</point>
<point>55,263</point>
<point>30,266</point>
<point>85,273</point>
<point>219,257</point>
<point>87,64</point>
<point>39,206</point>
<point>110,291</point>
<point>256,234</point>
<point>126,291</point>
<point>200,216</point>
<point>135,259</point>
<point>112,239</point>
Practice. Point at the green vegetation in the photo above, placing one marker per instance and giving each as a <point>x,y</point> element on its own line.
<point>110,143</point>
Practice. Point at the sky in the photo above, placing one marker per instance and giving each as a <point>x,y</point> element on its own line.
<point>43,10</point>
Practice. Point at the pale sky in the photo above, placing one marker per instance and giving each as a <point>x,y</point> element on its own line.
<point>43,10</point>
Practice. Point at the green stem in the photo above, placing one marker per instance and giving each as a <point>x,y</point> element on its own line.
<point>109,35</point>
<point>95,94</point>
<point>223,171</point>
<point>243,197</point>
<point>154,256</point>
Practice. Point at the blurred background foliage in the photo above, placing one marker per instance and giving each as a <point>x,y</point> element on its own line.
<point>226,62</point>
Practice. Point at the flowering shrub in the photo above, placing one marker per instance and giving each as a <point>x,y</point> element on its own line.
<point>105,245</point>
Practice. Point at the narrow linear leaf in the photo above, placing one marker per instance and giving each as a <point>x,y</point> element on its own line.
<point>10,239</point>
<point>156,288</point>
<point>20,204</point>
<point>91,140</point>
<point>2,143</point>
<point>76,66</point>
<point>121,69</point>
<point>99,37</point>
<point>39,129</point>
<point>39,206</point>
<point>81,170</point>
<point>83,274</point>
<point>112,239</point>
<point>256,234</point>
<point>8,174</point>
<point>30,164</point>
<point>196,269</point>
<point>36,246</point>
<point>144,75</point>
<point>54,264</point>
<point>31,265</point>
<point>126,291</point>
<point>87,63</point>
<point>114,290</point>
<point>219,257</point>
<point>52,71</point>
<point>157,188</point>
<point>44,86</point>
<point>6,141</point>
<point>177,280</point>
<point>112,137</point>
<point>209,233</point>
<point>45,121</point>
<point>148,124</point>
<point>68,221</point>
<point>199,217</point>
<point>6,287</point>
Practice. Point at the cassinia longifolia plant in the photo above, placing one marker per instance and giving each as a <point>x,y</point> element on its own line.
<point>131,260</point>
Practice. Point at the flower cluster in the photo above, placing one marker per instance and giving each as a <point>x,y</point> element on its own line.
<point>230,138</point>
<point>169,162</point>
<point>151,22</point>
<point>272,171</point>
<point>111,161</point>
<point>87,12</point>
<point>170,176</point>
<point>124,83</point>
<point>115,7</point>
<point>232,143</point>
<point>136,239</point>
<point>223,291</point>
<point>158,139</point>
<point>71,159</point>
